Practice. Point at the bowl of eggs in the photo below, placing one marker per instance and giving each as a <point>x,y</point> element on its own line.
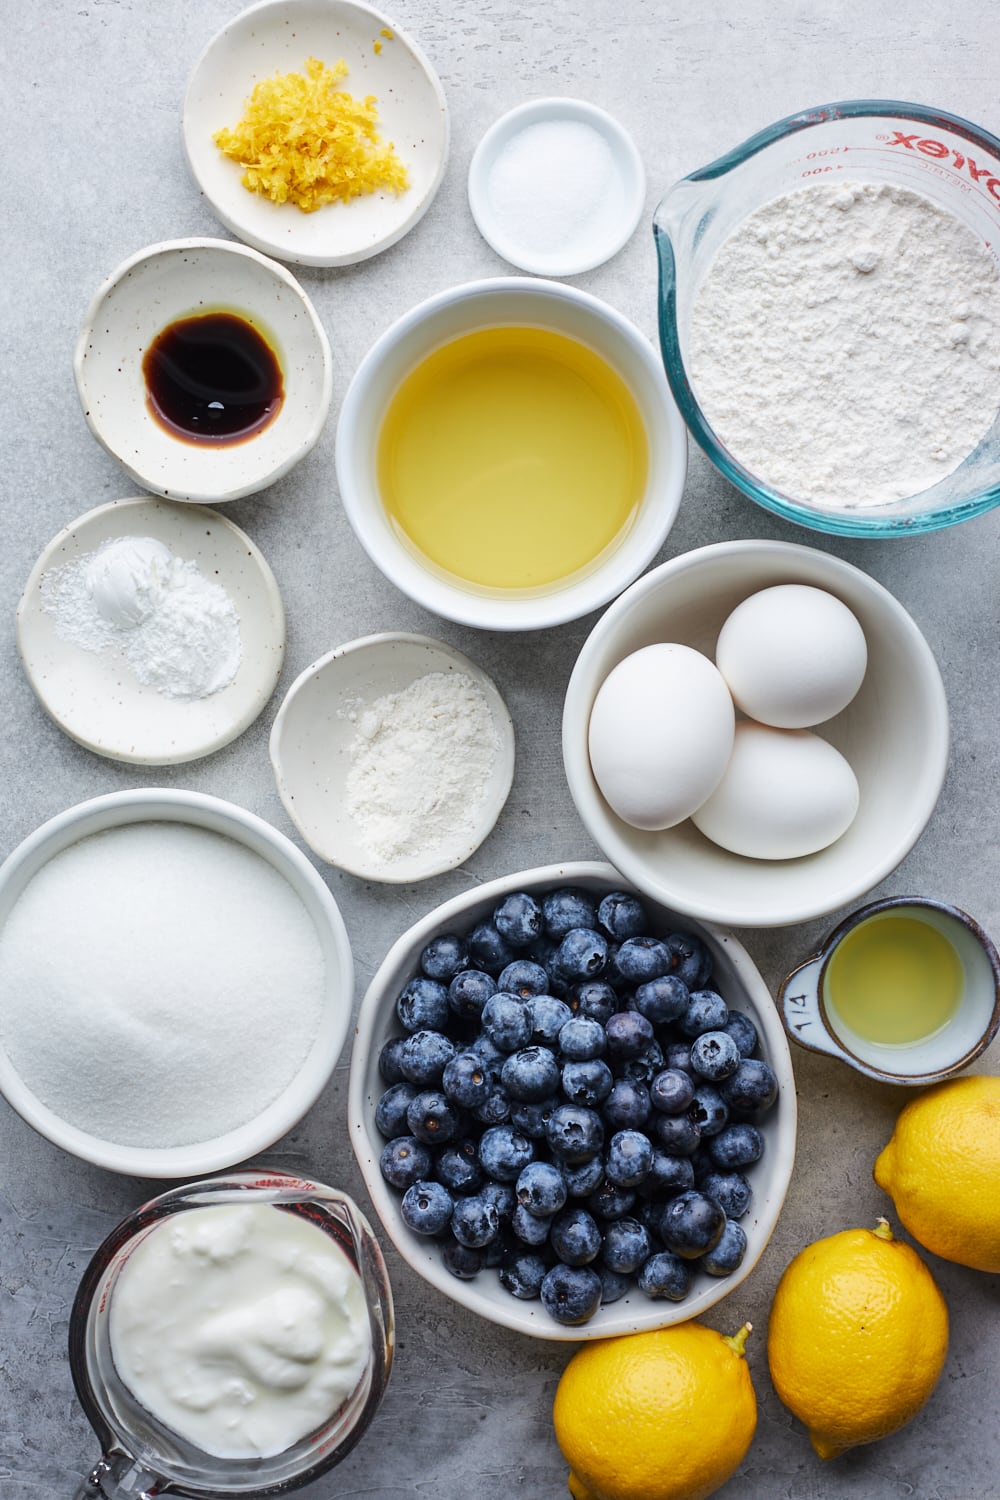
<point>755,733</point>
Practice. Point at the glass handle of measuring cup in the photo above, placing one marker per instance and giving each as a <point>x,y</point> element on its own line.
<point>118,1477</point>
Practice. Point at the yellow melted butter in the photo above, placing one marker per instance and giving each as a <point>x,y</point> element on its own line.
<point>512,458</point>
<point>894,980</point>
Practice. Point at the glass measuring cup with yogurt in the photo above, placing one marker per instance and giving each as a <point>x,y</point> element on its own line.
<point>233,1337</point>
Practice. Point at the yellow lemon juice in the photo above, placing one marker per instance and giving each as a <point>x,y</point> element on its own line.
<point>893,980</point>
<point>512,459</point>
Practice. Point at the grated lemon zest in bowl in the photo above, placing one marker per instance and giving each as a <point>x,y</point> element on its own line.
<point>304,140</point>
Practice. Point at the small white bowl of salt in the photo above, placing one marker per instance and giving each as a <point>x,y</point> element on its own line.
<point>557,186</point>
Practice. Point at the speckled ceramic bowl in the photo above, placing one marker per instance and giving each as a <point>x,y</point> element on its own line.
<point>188,278</point>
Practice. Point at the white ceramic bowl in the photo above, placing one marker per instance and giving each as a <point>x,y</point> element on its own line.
<point>581,241</point>
<point>277,37</point>
<point>509,301</point>
<point>736,979</point>
<point>311,752</point>
<point>194,808</point>
<point>95,698</point>
<point>894,735</point>
<point>184,278</point>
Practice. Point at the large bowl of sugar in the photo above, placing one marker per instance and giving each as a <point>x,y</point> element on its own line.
<point>176,982</point>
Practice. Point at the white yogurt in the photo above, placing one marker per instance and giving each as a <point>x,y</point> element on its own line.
<point>241,1327</point>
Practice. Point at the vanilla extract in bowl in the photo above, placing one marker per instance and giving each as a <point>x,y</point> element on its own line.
<point>212,378</point>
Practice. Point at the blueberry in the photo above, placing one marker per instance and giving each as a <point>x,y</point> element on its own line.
<point>506,1021</point>
<point>427,1207</point>
<point>728,1253</point>
<point>571,1294</point>
<point>584,1178</point>
<point>736,1146</point>
<point>519,919</point>
<point>488,1054</point>
<point>475,1221</point>
<point>504,1152</point>
<point>432,1118</point>
<point>706,1011</point>
<point>629,1034</point>
<point>465,1080</point>
<point>495,1108</point>
<point>731,1191</point>
<point>690,959</point>
<point>594,998</point>
<point>522,1273</point>
<point>424,1057</point>
<point>626,1245</point>
<point>610,1201</point>
<point>531,1118</point>
<point>629,1158</point>
<point>422,1005</point>
<point>708,1109</point>
<point>671,1091</point>
<point>641,1069</point>
<point>641,959</point>
<point>501,1194</point>
<point>469,991</point>
<point>613,1284</point>
<point>622,916</point>
<point>488,950</point>
<point>678,1055</point>
<point>405,1161</point>
<point>548,1017</point>
<point>390,1111</point>
<point>457,1166</point>
<point>541,1188</point>
<point>714,1055</point>
<point>582,954</point>
<point>444,956</point>
<point>564,909</point>
<point>530,1074</point>
<point>531,1229</point>
<point>679,1135</point>
<point>743,1032</point>
<point>582,1038</point>
<point>575,1237</point>
<point>388,1060</point>
<point>691,1224</point>
<point>574,1133</point>
<point>752,1089</point>
<point>667,1175</point>
<point>462,1260</point>
<point>586,1082</point>
<point>662,1000</point>
<point>627,1106</point>
<point>523,978</point>
<point>665,1275</point>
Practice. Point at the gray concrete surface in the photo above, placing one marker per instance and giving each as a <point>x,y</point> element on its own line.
<point>93,170</point>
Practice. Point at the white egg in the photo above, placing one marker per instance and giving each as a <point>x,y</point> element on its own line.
<point>785,793</point>
<point>792,655</point>
<point>661,732</point>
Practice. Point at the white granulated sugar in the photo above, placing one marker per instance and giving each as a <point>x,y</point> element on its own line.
<point>845,344</point>
<point>421,763</point>
<point>159,984</point>
<point>554,185</point>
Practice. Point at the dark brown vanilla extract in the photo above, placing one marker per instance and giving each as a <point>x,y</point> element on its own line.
<point>212,378</point>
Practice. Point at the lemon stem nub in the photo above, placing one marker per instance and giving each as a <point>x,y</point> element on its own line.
<point>882,1229</point>
<point>739,1340</point>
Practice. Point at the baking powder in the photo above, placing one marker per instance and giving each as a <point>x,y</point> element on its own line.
<point>421,764</point>
<point>845,344</point>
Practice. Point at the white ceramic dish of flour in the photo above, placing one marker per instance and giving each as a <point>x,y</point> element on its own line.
<point>277,37</point>
<point>315,745</point>
<point>179,279</point>
<point>94,696</point>
<point>557,186</point>
<point>151,808</point>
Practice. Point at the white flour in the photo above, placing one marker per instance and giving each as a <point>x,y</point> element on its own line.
<point>177,630</point>
<point>845,344</point>
<point>421,763</point>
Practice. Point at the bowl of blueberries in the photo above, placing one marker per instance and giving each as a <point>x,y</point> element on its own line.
<point>573,1108</point>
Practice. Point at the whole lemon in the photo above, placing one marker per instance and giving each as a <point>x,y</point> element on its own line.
<point>857,1337</point>
<point>942,1169</point>
<point>666,1415</point>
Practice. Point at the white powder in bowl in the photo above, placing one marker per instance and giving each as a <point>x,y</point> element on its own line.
<point>845,344</point>
<point>160,984</point>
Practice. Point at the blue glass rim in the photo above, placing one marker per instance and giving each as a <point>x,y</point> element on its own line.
<point>877,522</point>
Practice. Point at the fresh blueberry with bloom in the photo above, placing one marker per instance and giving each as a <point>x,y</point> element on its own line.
<point>390,1111</point>
<point>425,1056</point>
<point>743,1032</point>
<point>462,1261</point>
<point>622,916</point>
<point>667,1174</point>
<point>422,1005</point>
<point>736,1146</point>
<point>627,1106</point>
<point>626,1245</point>
<point>714,1055</point>
<point>405,1161</point>
<point>581,1039</point>
<point>506,1021</point>
<point>523,978</point>
<point>504,1152</point>
<point>643,1068</point>
<point>575,1237</point>
<point>731,1190</point>
<point>566,908</point>
<point>501,1195</point>
<point>444,956</point>
<point>427,1207</point>
<point>752,1089</point>
<point>614,1284</point>
<point>389,1059</point>
<point>641,959</point>
<point>582,954</point>
<point>522,1273</point>
<point>495,1108</point>
<point>678,1055</point>
<point>690,959</point>
<point>531,1118</point>
<point>530,1075</point>
<point>571,1294</point>
<point>587,1083</point>
<point>548,1017</point>
<point>584,1178</point>
<point>629,1034</point>
<point>574,1133</point>
<point>469,991</point>
<point>671,1091</point>
<point>679,1135</point>
<point>594,998</point>
<point>432,1118</point>
<point>708,1109</point>
<point>475,1221</point>
<point>662,1000</point>
<point>610,1201</point>
<point>691,1224</point>
<point>706,1011</point>
<point>465,1080</point>
<point>728,1253</point>
<point>665,1275</point>
<point>488,950</point>
<point>519,919</point>
<point>457,1166</point>
<point>541,1188</point>
<point>629,1158</point>
<point>531,1229</point>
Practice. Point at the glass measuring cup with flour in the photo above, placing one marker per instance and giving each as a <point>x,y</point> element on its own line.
<point>912,167</point>
<point>233,1337</point>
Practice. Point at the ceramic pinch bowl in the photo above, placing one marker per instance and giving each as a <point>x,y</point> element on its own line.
<point>812,1020</point>
<point>181,279</point>
<point>311,753</point>
<point>278,37</point>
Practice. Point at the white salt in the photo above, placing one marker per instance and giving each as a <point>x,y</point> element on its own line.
<point>160,984</point>
<point>555,187</point>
